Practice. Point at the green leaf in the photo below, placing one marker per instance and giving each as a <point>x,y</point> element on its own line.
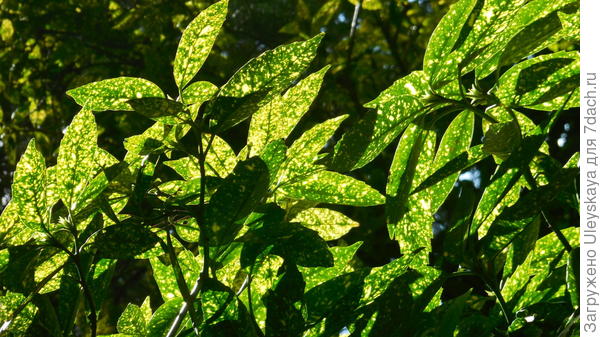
<point>570,20</point>
<point>291,241</point>
<point>160,109</point>
<point>486,20</point>
<point>79,159</point>
<point>461,162</point>
<point>304,151</point>
<point>197,41</point>
<point>163,317</point>
<point>503,184</point>
<point>380,278</point>
<point>325,14</point>
<point>165,277</point>
<point>274,155</point>
<point>132,322</point>
<point>277,118</point>
<point>215,297</point>
<point>414,229</point>
<point>396,107</point>
<point>227,112</point>
<point>411,163</point>
<point>329,224</point>
<point>502,138</point>
<point>124,240</point>
<point>282,317</point>
<point>29,189</point>
<point>521,246</point>
<point>573,278</point>
<point>340,294</point>
<point>452,312</point>
<point>8,303</point>
<point>341,264</point>
<point>11,231</point>
<point>532,28</point>
<point>333,188</point>
<point>151,140</point>
<point>199,92</point>
<point>48,266</point>
<point>272,70</point>
<point>540,80</point>
<point>549,254</point>
<point>114,93</point>
<point>448,33</point>
<point>513,219</point>
<point>304,247</point>
<point>235,199</point>
<point>402,172</point>
<point>220,160</point>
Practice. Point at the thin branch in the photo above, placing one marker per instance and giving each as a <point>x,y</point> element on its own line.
<point>203,233</point>
<point>29,298</point>
<point>87,293</point>
<point>181,283</point>
<point>559,234</point>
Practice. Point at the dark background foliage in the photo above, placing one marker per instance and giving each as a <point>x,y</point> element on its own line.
<point>48,47</point>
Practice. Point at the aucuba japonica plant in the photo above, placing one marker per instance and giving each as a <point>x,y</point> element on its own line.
<point>244,244</point>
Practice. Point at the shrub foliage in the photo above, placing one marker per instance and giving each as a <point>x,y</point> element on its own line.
<point>244,244</point>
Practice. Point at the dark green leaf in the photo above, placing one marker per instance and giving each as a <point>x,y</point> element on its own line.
<point>239,194</point>
<point>502,138</point>
<point>160,109</point>
<point>124,240</point>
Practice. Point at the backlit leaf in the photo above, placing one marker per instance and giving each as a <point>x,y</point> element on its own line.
<point>162,318</point>
<point>414,229</point>
<point>396,107</point>
<point>165,277</point>
<point>328,223</point>
<point>530,29</point>
<point>272,70</point>
<point>277,118</point>
<point>132,322</point>
<point>113,94</point>
<point>447,34</point>
<point>79,159</point>
<point>333,188</point>
<point>199,92</point>
<point>502,138</point>
<point>548,255</point>
<point>11,231</point>
<point>160,109</point>
<point>539,80</point>
<point>304,151</point>
<point>220,160</point>
<point>464,160</point>
<point>341,259</point>
<point>197,41</point>
<point>502,190</point>
<point>29,189</point>
<point>513,219</point>
<point>8,303</point>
